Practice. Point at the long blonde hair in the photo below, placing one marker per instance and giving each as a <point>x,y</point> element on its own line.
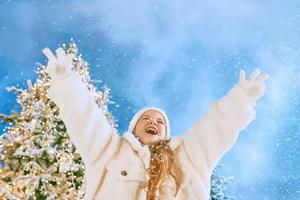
<point>162,165</point>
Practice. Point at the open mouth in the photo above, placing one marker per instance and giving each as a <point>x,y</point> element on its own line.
<point>151,130</point>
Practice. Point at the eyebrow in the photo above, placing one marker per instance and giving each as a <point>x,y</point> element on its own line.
<point>150,116</point>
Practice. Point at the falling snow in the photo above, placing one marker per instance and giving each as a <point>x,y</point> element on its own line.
<point>181,57</point>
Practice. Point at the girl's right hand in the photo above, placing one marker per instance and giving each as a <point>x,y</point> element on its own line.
<point>58,66</point>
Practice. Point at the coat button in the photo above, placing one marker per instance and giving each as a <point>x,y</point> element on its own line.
<point>124,173</point>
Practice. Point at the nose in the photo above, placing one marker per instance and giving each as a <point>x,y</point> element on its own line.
<point>151,121</point>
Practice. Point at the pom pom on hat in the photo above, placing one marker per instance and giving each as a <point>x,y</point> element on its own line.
<point>137,116</point>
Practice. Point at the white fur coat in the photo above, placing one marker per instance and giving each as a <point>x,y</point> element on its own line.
<point>116,165</point>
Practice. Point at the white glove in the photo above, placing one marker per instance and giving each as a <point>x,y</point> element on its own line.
<point>253,87</point>
<point>58,66</point>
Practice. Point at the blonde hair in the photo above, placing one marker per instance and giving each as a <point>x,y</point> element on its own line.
<point>162,165</point>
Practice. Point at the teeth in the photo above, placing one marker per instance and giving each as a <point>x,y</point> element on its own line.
<point>151,131</point>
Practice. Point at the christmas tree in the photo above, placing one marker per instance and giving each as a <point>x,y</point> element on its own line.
<point>38,160</point>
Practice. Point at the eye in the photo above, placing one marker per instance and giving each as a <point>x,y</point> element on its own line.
<point>161,122</point>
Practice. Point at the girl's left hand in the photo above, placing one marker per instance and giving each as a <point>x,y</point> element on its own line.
<point>254,87</point>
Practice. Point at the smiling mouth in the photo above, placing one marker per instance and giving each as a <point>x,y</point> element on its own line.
<point>151,131</point>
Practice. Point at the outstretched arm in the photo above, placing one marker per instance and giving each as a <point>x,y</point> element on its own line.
<point>215,133</point>
<point>85,122</point>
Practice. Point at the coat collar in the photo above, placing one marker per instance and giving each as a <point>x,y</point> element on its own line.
<point>144,153</point>
<point>138,146</point>
<point>134,142</point>
<point>142,150</point>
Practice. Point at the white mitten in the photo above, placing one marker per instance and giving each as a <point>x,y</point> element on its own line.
<point>253,87</point>
<point>58,66</point>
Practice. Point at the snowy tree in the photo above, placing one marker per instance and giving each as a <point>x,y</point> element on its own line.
<point>219,186</point>
<point>38,159</point>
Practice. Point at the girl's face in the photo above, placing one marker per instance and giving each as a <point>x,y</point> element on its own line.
<point>151,127</point>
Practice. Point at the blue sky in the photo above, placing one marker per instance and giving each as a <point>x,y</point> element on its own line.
<point>180,56</point>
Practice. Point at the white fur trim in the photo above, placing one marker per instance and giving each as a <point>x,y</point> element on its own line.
<point>137,116</point>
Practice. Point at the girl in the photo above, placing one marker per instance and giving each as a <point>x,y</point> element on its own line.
<point>145,163</point>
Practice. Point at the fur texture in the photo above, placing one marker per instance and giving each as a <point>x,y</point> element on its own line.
<point>116,165</point>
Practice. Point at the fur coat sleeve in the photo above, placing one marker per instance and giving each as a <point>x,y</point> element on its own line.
<point>85,122</point>
<point>214,134</point>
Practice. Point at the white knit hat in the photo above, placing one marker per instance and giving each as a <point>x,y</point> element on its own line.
<point>137,116</point>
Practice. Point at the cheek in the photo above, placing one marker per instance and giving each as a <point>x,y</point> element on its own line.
<point>162,127</point>
<point>162,130</point>
<point>140,131</point>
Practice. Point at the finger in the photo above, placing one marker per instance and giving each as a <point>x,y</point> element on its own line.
<point>261,89</point>
<point>60,53</point>
<point>61,57</point>
<point>263,78</point>
<point>242,76</point>
<point>254,75</point>
<point>47,52</point>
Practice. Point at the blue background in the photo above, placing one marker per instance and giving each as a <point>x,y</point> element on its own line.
<point>180,56</point>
